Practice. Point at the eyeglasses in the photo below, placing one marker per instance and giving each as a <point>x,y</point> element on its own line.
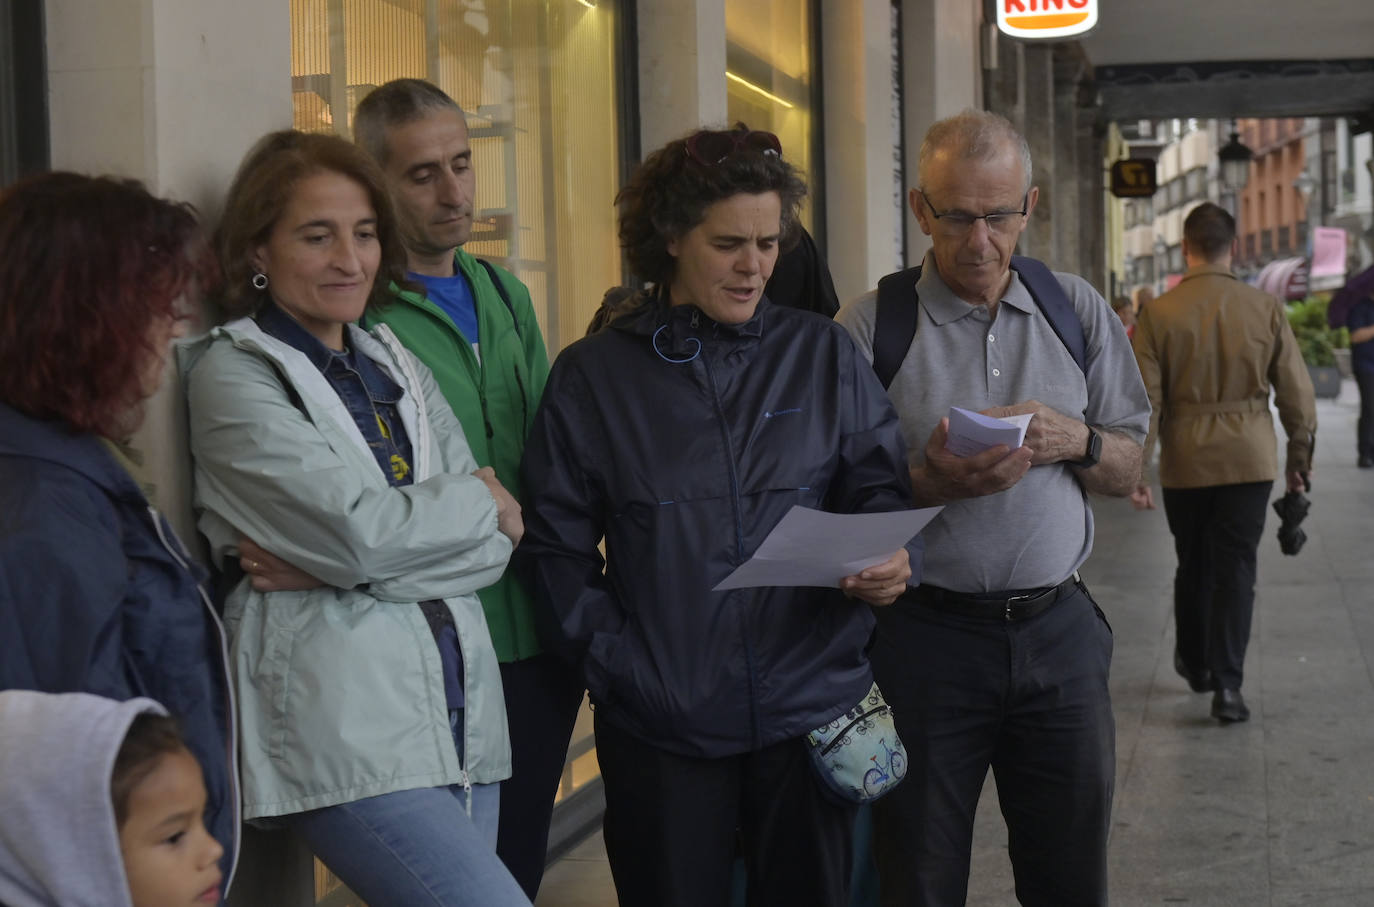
<point>710,148</point>
<point>957,223</point>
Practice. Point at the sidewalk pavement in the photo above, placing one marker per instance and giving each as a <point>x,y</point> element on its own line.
<point>1275,811</point>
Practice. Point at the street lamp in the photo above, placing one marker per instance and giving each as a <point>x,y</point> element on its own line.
<point>1235,162</point>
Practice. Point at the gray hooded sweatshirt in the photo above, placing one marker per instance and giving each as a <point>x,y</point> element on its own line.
<point>58,842</point>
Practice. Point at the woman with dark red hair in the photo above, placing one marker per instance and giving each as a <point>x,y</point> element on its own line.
<point>97,595</point>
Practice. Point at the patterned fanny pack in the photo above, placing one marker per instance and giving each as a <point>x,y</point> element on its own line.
<point>858,755</point>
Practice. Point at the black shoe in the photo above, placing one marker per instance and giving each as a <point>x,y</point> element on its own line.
<point>1199,681</point>
<point>1365,462</point>
<point>1229,706</point>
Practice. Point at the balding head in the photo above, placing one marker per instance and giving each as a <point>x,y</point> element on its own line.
<point>974,135</point>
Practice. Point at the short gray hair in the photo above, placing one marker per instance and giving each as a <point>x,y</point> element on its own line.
<point>973,135</point>
<point>397,102</point>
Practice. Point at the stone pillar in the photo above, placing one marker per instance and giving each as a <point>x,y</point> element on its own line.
<point>861,215</point>
<point>1039,126</point>
<point>681,68</point>
<point>942,74</point>
<point>1092,199</point>
<point>1068,189</point>
<point>171,92</point>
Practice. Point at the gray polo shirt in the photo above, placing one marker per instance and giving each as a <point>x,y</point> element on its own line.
<point>1040,530</point>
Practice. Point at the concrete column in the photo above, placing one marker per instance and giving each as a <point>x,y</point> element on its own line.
<point>942,74</point>
<point>1092,218</point>
<point>861,218</point>
<point>1006,84</point>
<point>1039,127</point>
<point>1066,166</point>
<point>681,68</point>
<point>171,92</point>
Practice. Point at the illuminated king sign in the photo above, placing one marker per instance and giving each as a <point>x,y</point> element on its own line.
<point>1046,18</point>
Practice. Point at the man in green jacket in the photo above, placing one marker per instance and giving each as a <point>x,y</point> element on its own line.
<point>476,330</point>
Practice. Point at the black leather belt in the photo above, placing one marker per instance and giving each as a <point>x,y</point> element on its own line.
<point>1009,605</point>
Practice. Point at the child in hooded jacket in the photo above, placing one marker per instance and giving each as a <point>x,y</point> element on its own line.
<point>101,805</point>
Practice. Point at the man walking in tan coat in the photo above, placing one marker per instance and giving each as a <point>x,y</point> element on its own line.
<point>1209,351</point>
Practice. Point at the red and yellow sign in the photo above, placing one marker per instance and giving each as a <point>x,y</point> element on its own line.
<point>1046,18</point>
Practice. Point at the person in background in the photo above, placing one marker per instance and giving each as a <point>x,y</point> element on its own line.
<point>1125,310</point>
<point>373,720</point>
<point>97,594</point>
<point>680,434</point>
<point>802,280</point>
<point>472,324</point>
<point>1210,350</point>
<point>101,804</point>
<point>1360,321</point>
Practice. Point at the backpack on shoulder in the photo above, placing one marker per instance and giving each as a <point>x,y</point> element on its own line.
<point>894,326</point>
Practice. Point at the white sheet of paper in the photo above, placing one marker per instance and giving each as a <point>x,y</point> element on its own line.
<point>813,548</point>
<point>971,433</point>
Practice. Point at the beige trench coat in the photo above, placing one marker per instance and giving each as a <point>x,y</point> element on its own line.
<point>1210,350</point>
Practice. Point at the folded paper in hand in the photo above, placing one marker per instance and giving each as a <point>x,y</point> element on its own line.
<point>813,548</point>
<point>971,433</point>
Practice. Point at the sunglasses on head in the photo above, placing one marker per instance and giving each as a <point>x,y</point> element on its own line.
<point>710,148</point>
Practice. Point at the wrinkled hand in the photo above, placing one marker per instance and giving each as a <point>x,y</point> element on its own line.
<point>508,518</point>
<point>881,583</point>
<point>269,573</point>
<point>1143,498</point>
<point>1051,435</point>
<point>947,477</point>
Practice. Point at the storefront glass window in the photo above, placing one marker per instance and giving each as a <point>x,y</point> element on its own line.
<point>538,80</point>
<point>769,79</point>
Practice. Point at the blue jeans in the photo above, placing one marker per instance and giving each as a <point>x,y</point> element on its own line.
<point>416,847</point>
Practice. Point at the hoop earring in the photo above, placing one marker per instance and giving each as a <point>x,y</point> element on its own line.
<point>259,281</point>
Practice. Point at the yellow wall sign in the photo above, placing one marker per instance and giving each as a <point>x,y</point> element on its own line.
<point>1045,18</point>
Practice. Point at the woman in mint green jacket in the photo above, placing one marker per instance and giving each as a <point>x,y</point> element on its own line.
<point>373,719</point>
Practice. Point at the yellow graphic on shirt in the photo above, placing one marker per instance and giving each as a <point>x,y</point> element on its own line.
<point>399,467</point>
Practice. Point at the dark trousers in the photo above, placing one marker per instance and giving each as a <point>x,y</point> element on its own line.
<point>673,825</point>
<point>1027,699</point>
<point>1364,428</point>
<point>543,695</point>
<point>1216,531</point>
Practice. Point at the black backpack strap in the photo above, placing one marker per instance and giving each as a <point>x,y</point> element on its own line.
<point>501,289</point>
<point>1049,295</point>
<point>894,324</point>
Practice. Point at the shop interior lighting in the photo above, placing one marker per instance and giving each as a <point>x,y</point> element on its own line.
<point>752,87</point>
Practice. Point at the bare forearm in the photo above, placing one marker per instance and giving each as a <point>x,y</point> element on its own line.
<point>1362,335</point>
<point>1118,469</point>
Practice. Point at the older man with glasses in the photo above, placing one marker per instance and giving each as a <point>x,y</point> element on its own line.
<point>999,659</point>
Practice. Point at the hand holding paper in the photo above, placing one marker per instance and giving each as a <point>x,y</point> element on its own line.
<point>971,433</point>
<point>945,476</point>
<point>813,548</point>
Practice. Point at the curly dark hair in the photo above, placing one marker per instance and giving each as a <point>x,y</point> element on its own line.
<point>260,193</point>
<point>90,265</point>
<point>669,194</point>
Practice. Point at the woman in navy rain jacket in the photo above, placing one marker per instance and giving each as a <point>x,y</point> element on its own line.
<point>97,594</point>
<point>681,434</point>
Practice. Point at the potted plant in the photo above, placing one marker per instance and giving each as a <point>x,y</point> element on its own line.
<point>1318,343</point>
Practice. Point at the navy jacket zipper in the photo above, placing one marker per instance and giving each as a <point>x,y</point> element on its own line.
<point>739,539</point>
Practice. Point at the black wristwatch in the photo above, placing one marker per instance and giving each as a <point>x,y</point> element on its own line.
<point>1094,453</point>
